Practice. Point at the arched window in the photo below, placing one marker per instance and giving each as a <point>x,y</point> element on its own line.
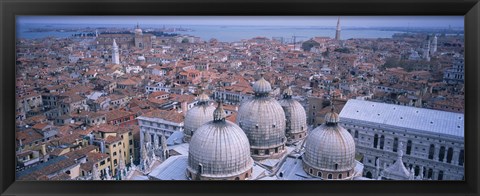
<point>431,151</point>
<point>237,178</point>
<point>311,171</point>
<point>340,176</point>
<point>348,173</point>
<point>375,141</point>
<point>369,175</point>
<point>200,169</point>
<point>440,175</point>
<point>417,170</point>
<point>409,147</point>
<point>382,141</point>
<point>461,157</point>
<point>395,145</point>
<point>330,176</point>
<point>267,151</point>
<point>255,151</point>
<point>449,155</point>
<point>430,173</point>
<point>319,174</point>
<point>441,154</point>
<point>356,134</point>
<point>336,166</point>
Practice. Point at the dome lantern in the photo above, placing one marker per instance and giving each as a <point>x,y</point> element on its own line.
<point>288,93</point>
<point>331,118</point>
<point>203,98</point>
<point>262,87</point>
<point>219,113</point>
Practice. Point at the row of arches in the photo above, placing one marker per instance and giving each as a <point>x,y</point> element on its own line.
<point>444,153</point>
<point>330,175</point>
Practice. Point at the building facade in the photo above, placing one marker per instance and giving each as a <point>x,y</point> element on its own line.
<point>156,123</point>
<point>434,140</point>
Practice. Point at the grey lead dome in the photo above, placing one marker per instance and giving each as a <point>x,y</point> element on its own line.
<point>263,120</point>
<point>221,149</point>
<point>198,115</point>
<point>330,148</point>
<point>296,118</point>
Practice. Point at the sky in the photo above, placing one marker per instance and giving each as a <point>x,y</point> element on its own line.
<point>320,21</point>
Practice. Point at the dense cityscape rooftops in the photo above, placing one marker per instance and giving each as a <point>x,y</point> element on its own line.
<point>112,105</point>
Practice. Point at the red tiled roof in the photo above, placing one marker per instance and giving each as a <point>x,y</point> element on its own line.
<point>112,139</point>
<point>117,114</point>
<point>171,115</point>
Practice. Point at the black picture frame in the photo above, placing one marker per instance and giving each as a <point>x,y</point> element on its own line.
<point>9,9</point>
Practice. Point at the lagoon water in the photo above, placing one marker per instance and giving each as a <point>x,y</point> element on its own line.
<point>221,33</point>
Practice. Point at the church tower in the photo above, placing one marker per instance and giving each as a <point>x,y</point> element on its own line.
<point>138,37</point>
<point>115,54</point>
<point>426,49</point>
<point>434,45</point>
<point>337,33</point>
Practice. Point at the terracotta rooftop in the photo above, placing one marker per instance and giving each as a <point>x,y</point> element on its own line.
<point>40,126</point>
<point>170,115</point>
<point>118,113</point>
<point>28,136</point>
<point>112,139</point>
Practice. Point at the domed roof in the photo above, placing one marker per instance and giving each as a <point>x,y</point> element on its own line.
<point>138,30</point>
<point>198,115</point>
<point>294,113</point>
<point>263,120</point>
<point>262,86</point>
<point>330,147</point>
<point>220,147</point>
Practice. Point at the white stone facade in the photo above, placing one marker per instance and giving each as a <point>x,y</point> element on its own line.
<point>438,152</point>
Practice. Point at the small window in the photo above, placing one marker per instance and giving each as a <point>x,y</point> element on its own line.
<point>330,176</point>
